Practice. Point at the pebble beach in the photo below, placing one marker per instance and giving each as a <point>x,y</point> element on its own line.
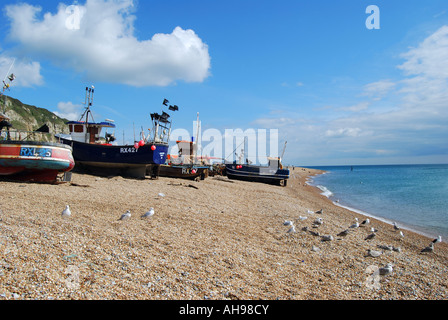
<point>216,239</point>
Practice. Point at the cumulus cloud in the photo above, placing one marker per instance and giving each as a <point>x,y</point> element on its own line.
<point>97,39</point>
<point>69,111</point>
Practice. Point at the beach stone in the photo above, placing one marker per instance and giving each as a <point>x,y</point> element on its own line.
<point>229,244</point>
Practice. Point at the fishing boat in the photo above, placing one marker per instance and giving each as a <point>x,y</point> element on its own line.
<point>185,165</point>
<point>273,173</point>
<point>27,156</point>
<point>103,156</point>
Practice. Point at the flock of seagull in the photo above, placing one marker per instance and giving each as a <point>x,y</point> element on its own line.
<point>125,216</point>
<point>388,268</point>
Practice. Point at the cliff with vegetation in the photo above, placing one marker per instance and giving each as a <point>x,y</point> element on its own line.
<point>30,118</point>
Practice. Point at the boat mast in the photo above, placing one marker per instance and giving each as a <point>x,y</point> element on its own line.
<point>284,149</point>
<point>87,102</point>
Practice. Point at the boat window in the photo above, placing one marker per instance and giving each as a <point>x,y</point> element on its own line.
<point>79,128</point>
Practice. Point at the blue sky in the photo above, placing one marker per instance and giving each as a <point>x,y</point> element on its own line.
<point>337,92</point>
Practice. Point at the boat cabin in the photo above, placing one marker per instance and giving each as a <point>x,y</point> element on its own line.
<point>88,132</point>
<point>275,163</point>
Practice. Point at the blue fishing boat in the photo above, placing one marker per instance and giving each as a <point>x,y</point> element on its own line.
<point>102,156</point>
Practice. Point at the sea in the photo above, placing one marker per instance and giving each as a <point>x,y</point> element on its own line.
<point>413,196</point>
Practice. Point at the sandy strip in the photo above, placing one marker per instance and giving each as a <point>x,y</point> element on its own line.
<point>213,239</point>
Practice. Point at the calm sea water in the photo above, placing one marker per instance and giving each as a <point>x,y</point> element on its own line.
<point>414,196</point>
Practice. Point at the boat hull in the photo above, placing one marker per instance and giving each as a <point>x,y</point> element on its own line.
<point>270,175</point>
<point>110,159</point>
<point>34,161</point>
<point>184,171</point>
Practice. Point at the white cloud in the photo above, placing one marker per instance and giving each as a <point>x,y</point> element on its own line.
<point>343,132</point>
<point>101,43</point>
<point>430,57</point>
<point>69,111</point>
<point>378,89</point>
<point>357,107</point>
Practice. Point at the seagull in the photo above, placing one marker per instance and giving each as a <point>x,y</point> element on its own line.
<point>302,218</point>
<point>386,270</point>
<point>429,248</point>
<point>365,222</point>
<point>370,236</point>
<point>401,234</point>
<point>66,212</point>
<point>149,213</point>
<point>320,211</point>
<point>373,229</point>
<point>343,233</point>
<point>327,238</point>
<point>125,216</point>
<point>291,230</point>
<point>318,221</point>
<point>356,224</point>
<point>396,227</point>
<point>288,223</point>
<point>374,253</point>
<point>309,211</point>
<point>437,240</point>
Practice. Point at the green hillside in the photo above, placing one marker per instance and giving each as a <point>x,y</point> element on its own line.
<point>30,118</point>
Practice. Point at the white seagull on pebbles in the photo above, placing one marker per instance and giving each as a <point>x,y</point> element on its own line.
<point>288,223</point>
<point>327,238</point>
<point>429,248</point>
<point>291,230</point>
<point>149,213</point>
<point>386,270</point>
<point>356,224</point>
<point>437,240</point>
<point>125,216</point>
<point>66,212</point>
<point>365,222</point>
